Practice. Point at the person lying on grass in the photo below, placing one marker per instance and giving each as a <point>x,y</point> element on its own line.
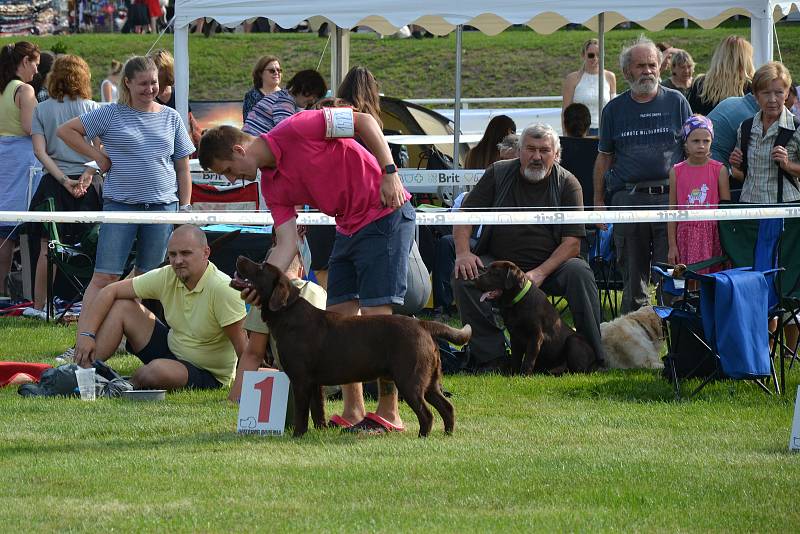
<point>203,337</point>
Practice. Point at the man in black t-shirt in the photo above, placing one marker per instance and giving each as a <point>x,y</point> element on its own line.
<point>548,253</point>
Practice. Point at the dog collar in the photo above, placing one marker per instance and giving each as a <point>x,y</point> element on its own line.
<point>522,293</point>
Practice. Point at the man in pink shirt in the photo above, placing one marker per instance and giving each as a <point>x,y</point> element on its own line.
<point>312,158</point>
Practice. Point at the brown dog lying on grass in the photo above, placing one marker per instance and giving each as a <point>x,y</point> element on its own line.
<point>320,348</point>
<point>540,341</point>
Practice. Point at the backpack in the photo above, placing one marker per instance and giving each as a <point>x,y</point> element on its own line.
<point>783,137</point>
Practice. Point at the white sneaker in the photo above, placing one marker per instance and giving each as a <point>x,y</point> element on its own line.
<point>68,356</point>
<point>34,313</point>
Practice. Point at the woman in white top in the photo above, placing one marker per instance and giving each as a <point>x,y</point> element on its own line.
<point>581,86</point>
<point>108,87</point>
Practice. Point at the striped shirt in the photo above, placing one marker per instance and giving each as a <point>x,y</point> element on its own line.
<point>269,111</point>
<point>142,147</point>
<point>761,183</point>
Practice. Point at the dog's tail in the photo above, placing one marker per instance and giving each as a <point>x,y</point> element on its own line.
<point>454,335</point>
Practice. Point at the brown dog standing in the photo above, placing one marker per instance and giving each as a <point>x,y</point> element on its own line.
<point>540,341</point>
<point>324,348</point>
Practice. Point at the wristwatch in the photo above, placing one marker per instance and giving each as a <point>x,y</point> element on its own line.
<point>390,169</point>
<point>185,208</point>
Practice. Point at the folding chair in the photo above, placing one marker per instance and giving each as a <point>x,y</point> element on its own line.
<point>718,331</point>
<point>74,262</point>
<point>770,244</point>
<point>603,261</point>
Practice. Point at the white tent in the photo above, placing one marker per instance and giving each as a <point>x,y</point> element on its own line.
<point>443,16</point>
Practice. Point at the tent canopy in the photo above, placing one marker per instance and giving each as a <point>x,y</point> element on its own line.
<point>442,16</point>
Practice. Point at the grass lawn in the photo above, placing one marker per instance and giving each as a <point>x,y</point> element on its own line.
<point>609,452</point>
<point>514,63</point>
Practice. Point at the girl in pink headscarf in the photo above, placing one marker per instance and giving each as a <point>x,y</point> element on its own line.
<point>698,182</point>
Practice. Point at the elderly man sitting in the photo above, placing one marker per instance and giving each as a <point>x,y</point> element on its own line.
<point>548,253</point>
<point>198,347</point>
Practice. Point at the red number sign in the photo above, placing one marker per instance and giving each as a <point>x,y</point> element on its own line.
<point>265,388</point>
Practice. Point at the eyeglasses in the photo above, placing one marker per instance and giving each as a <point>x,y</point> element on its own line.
<point>272,70</point>
<point>591,55</point>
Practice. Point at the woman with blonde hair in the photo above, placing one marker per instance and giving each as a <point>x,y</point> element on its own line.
<point>729,74</point>
<point>108,87</point>
<point>582,86</point>
<point>267,75</point>
<point>19,63</point>
<point>145,156</point>
<point>67,180</point>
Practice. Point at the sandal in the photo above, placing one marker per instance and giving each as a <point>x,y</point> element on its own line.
<point>374,424</point>
<point>337,421</point>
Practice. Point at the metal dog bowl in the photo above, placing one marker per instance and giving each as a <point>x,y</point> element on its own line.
<point>145,394</point>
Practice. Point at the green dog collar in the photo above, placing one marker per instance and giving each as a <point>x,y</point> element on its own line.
<point>522,293</point>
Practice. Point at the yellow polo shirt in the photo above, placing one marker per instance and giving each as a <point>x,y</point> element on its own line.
<point>196,317</point>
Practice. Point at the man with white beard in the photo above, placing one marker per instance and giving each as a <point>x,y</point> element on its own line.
<point>548,253</point>
<point>639,143</point>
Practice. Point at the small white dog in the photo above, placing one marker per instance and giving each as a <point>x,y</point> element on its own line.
<point>634,341</point>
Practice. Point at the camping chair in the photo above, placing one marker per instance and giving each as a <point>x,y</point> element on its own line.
<point>603,261</point>
<point>74,262</point>
<point>770,244</point>
<point>719,330</point>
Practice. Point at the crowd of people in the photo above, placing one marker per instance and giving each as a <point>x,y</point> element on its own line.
<point>688,141</point>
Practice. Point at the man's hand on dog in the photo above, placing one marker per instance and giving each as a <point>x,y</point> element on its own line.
<point>535,277</point>
<point>84,351</point>
<point>250,296</point>
<point>468,266</point>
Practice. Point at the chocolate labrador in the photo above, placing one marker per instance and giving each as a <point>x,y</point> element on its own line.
<point>540,341</point>
<point>319,348</point>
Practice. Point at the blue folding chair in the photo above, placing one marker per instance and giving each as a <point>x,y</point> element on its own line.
<point>718,331</point>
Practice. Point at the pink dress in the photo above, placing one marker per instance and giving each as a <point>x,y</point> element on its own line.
<point>697,188</point>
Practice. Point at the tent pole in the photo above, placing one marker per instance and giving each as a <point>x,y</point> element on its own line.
<point>601,78</point>
<point>457,110</point>
<point>181,53</point>
<point>761,37</point>
<point>340,55</point>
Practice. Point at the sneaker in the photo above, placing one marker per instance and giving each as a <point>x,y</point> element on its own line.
<point>35,314</point>
<point>68,356</point>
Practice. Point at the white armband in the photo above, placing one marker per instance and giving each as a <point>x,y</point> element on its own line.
<point>339,122</point>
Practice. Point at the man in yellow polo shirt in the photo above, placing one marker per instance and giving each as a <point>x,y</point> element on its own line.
<point>203,338</point>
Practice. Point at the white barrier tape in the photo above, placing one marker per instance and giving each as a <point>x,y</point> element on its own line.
<point>423,217</point>
<point>415,178</point>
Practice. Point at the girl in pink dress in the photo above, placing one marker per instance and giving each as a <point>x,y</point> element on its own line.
<point>698,182</point>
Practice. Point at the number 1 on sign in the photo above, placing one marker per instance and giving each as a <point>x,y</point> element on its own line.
<point>265,389</point>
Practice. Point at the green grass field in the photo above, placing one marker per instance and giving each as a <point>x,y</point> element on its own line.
<point>604,452</point>
<point>514,63</point>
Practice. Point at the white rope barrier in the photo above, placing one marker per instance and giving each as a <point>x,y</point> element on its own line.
<point>442,217</point>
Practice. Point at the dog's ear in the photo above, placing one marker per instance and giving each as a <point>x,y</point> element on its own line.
<point>283,294</point>
<point>280,294</point>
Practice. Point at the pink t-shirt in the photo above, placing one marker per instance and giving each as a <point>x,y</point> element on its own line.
<point>339,177</point>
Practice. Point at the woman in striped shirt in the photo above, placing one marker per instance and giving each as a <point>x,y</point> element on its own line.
<point>145,156</point>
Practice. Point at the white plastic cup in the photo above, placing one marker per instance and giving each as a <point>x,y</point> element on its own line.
<point>85,379</point>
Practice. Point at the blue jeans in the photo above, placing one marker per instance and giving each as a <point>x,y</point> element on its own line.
<point>116,240</point>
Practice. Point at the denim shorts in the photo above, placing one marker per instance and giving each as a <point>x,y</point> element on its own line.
<point>116,240</point>
<point>158,348</point>
<point>371,266</point>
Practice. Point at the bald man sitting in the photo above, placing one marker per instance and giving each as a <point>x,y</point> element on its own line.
<point>203,338</point>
